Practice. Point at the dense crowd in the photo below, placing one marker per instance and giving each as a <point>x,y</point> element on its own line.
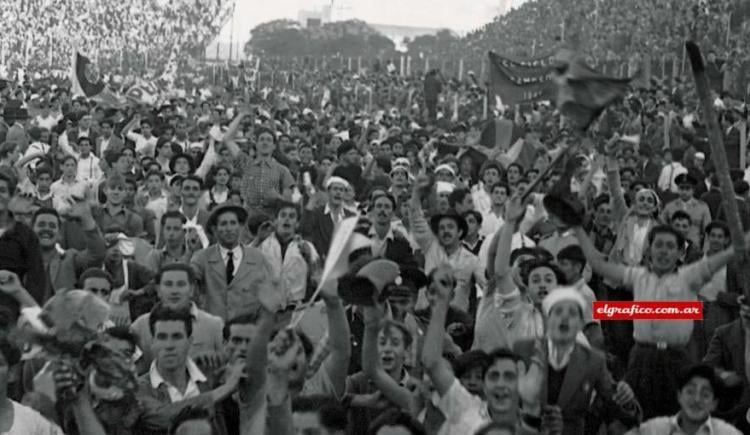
<point>41,34</point>
<point>309,251</point>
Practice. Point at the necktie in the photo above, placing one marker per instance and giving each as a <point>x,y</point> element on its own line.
<point>230,267</point>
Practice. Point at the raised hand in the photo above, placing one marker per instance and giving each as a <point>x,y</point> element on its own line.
<point>515,208</point>
<point>282,352</point>
<point>443,282</point>
<point>10,284</point>
<point>530,379</point>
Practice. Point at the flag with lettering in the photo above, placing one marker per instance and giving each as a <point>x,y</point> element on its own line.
<point>143,92</point>
<point>518,81</point>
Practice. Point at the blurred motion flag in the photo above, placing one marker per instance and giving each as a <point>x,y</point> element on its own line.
<point>500,133</point>
<point>87,82</point>
<point>143,92</point>
<point>582,92</point>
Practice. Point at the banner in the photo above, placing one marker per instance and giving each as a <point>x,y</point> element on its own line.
<point>143,92</point>
<point>87,82</point>
<point>519,81</point>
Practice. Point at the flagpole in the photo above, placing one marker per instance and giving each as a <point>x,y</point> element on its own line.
<point>721,163</point>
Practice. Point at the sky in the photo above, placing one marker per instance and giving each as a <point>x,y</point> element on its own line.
<point>458,15</point>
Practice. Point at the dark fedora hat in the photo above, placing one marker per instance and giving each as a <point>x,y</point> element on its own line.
<point>226,208</point>
<point>460,221</point>
<point>566,208</point>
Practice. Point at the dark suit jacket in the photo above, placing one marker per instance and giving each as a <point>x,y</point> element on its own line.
<point>115,145</point>
<point>317,227</point>
<point>743,208</point>
<point>399,251</point>
<point>726,351</point>
<point>586,374</point>
<point>713,199</point>
<point>650,172</point>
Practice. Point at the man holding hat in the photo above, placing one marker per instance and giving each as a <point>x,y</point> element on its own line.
<point>700,215</point>
<point>440,242</point>
<point>698,394</point>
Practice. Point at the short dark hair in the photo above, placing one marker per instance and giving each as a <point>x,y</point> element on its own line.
<point>281,205</point>
<point>184,267</point>
<point>499,354</point>
<point>476,214</point>
<point>45,210</point>
<point>529,266</point>
<point>396,417</point>
<point>152,173</point>
<point>680,214</point>
<point>502,184</point>
<point>68,157</point>
<point>94,272</point>
<point>173,214</point>
<point>457,196</point>
<point>192,177</point>
<point>250,318</point>
<point>665,229</point>
<point>160,313</point>
<point>190,413</point>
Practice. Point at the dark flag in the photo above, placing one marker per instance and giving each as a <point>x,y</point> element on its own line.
<point>519,81</point>
<point>582,92</point>
<point>87,82</point>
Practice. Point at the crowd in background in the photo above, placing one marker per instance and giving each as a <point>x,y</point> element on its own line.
<point>162,265</point>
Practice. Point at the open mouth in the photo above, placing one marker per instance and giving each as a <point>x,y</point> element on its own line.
<point>386,360</point>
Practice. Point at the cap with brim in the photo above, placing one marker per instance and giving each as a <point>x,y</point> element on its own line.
<point>407,283</point>
<point>336,180</point>
<point>445,167</point>
<point>562,294</point>
<point>226,208</point>
<point>460,221</point>
<point>567,209</point>
<point>368,283</point>
<point>685,180</point>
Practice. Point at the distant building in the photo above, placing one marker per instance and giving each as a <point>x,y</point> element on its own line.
<point>398,33</point>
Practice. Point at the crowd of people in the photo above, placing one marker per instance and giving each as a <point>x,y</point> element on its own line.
<point>340,252</point>
<point>42,34</point>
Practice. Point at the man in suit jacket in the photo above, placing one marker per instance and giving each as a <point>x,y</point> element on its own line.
<point>64,266</point>
<point>389,242</point>
<point>318,225</point>
<point>174,286</point>
<point>575,372</point>
<point>108,143</point>
<point>726,353</point>
<point>648,169</point>
<point>229,273</point>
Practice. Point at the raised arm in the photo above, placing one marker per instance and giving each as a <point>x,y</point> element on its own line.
<point>395,393</point>
<point>419,227</point>
<point>432,351</point>
<point>93,255</point>
<point>337,362</point>
<point>611,271</point>
<point>619,207</point>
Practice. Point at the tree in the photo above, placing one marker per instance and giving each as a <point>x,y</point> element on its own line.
<point>440,42</point>
<point>345,38</point>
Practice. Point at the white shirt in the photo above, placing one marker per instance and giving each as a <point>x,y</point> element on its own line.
<point>142,145</point>
<point>668,175</point>
<point>49,122</point>
<point>336,216</point>
<point>88,168</point>
<point>27,421</point>
<point>464,412</point>
<point>236,255</point>
<point>35,147</point>
<point>669,425</point>
<point>194,377</point>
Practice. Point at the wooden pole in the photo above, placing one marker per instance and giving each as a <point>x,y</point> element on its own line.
<point>719,157</point>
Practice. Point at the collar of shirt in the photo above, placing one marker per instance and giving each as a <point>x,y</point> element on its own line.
<point>559,358</point>
<point>267,161</point>
<point>119,210</point>
<point>706,428</point>
<point>194,375</point>
<point>328,210</point>
<point>236,254</point>
<point>374,234</point>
